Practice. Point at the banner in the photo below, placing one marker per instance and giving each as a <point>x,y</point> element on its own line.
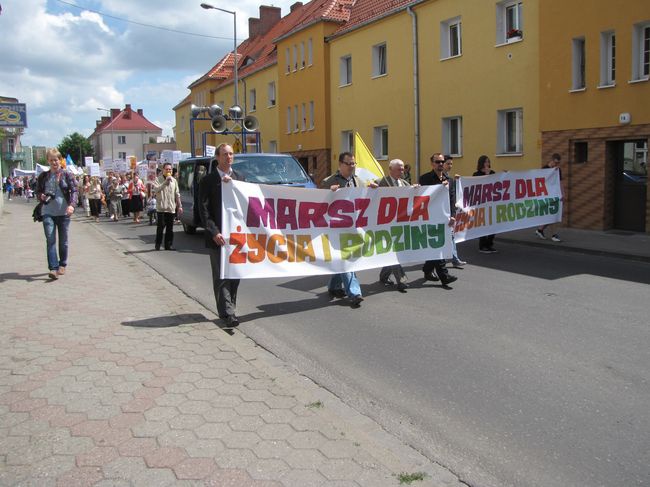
<point>275,231</point>
<point>506,201</point>
<point>88,160</point>
<point>94,169</point>
<point>13,115</point>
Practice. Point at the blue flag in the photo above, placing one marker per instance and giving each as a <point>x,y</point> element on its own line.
<point>69,161</point>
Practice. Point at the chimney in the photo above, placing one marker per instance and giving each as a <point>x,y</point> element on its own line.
<point>115,112</point>
<point>127,111</point>
<point>253,27</point>
<point>269,16</point>
<point>140,112</point>
<point>295,6</point>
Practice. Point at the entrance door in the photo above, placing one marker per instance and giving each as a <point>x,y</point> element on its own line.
<point>631,185</point>
<point>304,162</point>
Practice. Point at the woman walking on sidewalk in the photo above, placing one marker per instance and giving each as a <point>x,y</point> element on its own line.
<point>136,195</point>
<point>57,189</point>
<point>95,194</point>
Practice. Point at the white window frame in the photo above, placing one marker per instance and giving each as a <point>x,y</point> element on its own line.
<point>641,52</point>
<point>345,71</point>
<point>302,55</point>
<point>450,46</point>
<point>273,146</point>
<point>289,120</point>
<point>607,59</point>
<point>380,142</point>
<point>451,139</point>
<point>379,60</point>
<point>578,64</point>
<point>121,155</point>
<point>347,141</point>
<point>288,56</point>
<point>271,94</point>
<point>296,120</point>
<point>505,118</point>
<point>503,8</point>
<point>310,52</point>
<point>121,139</point>
<point>311,115</point>
<point>252,98</point>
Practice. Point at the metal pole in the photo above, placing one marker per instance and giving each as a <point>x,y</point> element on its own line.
<point>234,15</point>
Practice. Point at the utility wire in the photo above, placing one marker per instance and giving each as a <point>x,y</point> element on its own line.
<point>143,24</point>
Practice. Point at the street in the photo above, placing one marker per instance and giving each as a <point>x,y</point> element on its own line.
<point>532,371</point>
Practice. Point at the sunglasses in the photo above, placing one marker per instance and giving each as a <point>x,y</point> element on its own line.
<point>349,163</point>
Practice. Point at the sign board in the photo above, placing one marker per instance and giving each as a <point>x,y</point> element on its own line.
<point>210,150</point>
<point>133,161</point>
<point>143,172</point>
<point>108,165</point>
<point>94,168</point>
<point>13,115</point>
<point>88,160</point>
<point>151,171</point>
<point>120,165</point>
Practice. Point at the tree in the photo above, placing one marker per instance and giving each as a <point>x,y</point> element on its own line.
<point>77,146</point>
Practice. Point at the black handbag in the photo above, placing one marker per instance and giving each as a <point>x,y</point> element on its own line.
<point>36,214</point>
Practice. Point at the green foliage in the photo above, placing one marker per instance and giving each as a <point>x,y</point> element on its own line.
<point>408,478</point>
<point>77,146</point>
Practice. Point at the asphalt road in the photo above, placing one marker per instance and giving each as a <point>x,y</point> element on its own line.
<point>532,371</point>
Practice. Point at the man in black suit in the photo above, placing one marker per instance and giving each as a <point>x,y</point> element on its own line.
<point>436,176</point>
<point>225,290</point>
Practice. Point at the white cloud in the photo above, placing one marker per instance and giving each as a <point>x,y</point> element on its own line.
<point>65,62</point>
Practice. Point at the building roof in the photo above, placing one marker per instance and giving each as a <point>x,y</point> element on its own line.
<point>367,11</point>
<point>125,120</point>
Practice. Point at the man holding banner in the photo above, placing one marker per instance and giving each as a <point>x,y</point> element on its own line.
<point>210,201</point>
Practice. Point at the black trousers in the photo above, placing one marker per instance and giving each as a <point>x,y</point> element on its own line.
<point>438,265</point>
<point>165,221</point>
<point>486,242</point>
<point>225,290</point>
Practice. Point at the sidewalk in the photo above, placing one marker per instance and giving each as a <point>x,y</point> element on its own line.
<point>112,376</point>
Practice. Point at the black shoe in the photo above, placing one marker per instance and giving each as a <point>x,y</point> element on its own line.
<point>387,282</point>
<point>157,247</point>
<point>428,276</point>
<point>336,293</point>
<point>355,301</point>
<point>401,287</point>
<point>170,248</point>
<point>232,321</point>
<point>448,280</point>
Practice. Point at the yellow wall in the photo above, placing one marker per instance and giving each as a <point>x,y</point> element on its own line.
<point>486,78</point>
<point>562,22</point>
<point>182,129</point>
<point>302,86</point>
<point>373,102</point>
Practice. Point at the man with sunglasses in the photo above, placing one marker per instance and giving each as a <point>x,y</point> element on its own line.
<point>437,176</point>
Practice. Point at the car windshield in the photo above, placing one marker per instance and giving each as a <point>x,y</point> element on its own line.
<point>270,170</point>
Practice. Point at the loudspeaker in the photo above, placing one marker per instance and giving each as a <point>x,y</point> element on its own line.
<point>196,111</point>
<point>215,110</point>
<point>250,123</point>
<point>218,123</point>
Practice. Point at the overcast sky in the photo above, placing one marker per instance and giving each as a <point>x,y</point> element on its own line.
<point>64,62</point>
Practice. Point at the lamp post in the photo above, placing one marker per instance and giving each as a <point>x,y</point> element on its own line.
<point>110,112</point>
<point>207,6</point>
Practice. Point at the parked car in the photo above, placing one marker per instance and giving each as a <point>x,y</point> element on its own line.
<point>258,168</point>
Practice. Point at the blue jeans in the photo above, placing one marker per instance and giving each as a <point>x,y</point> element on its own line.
<point>61,224</point>
<point>347,281</point>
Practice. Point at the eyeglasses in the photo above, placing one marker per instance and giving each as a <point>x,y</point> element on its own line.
<point>439,162</point>
<point>349,163</point>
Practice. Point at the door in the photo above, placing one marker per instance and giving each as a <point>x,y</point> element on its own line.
<point>631,158</point>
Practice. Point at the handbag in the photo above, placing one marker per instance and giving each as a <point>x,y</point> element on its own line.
<point>37,213</point>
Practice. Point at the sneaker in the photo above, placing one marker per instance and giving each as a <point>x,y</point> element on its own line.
<point>458,263</point>
<point>540,234</point>
<point>448,280</point>
<point>387,282</point>
<point>556,238</point>
<point>61,271</point>
<point>402,287</point>
<point>355,301</point>
<point>52,275</point>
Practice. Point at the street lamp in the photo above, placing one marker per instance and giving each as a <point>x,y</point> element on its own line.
<point>207,6</point>
<point>110,112</point>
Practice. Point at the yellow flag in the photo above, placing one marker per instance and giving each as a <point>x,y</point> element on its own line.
<point>368,169</point>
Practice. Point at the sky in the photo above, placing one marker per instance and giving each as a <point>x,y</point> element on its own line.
<point>64,62</point>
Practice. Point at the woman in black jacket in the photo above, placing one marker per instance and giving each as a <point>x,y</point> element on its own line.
<point>483,168</point>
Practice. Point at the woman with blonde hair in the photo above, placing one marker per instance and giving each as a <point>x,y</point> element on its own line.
<point>57,190</point>
<point>95,196</point>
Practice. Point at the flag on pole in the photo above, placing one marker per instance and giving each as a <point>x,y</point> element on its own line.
<point>368,169</point>
<point>69,161</point>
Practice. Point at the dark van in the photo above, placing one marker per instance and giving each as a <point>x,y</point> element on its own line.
<point>258,168</point>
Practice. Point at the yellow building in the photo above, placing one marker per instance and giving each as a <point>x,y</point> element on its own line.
<point>595,108</point>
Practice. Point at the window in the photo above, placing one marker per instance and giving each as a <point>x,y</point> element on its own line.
<point>311,115</point>
<point>510,131</point>
<point>452,134</point>
<point>304,117</point>
<point>580,152</point>
<point>607,59</point>
<point>450,38</point>
<point>302,55</point>
<point>380,136</point>
<point>379,60</point>
<point>288,120</point>
<point>271,93</point>
<point>121,155</point>
<point>641,52</point>
<point>273,146</point>
<point>510,22</point>
<point>578,64</point>
<point>347,141</point>
<point>252,97</point>
<point>310,55</point>
<point>295,118</point>
<point>345,71</point>
<point>288,56</point>
<point>295,57</point>
<point>121,139</point>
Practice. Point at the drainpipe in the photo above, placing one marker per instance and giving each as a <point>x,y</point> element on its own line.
<point>416,90</point>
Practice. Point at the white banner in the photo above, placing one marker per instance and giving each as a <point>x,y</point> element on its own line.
<point>120,166</point>
<point>275,231</point>
<point>108,165</point>
<point>506,201</point>
<point>94,169</point>
<point>210,150</point>
<point>88,160</point>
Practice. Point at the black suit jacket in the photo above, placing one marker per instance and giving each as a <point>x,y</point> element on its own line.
<point>210,205</point>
